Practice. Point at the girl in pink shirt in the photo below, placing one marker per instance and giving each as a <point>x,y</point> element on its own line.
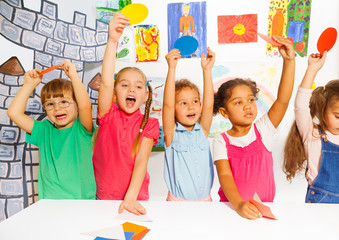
<point>315,141</point>
<point>126,137</point>
<point>242,155</point>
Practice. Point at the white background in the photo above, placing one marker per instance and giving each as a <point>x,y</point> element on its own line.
<point>324,14</point>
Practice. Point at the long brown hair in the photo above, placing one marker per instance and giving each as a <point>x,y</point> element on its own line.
<point>294,151</point>
<point>136,143</point>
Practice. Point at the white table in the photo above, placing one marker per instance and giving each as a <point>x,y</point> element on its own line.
<point>67,219</point>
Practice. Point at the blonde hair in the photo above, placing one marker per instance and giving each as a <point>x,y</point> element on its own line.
<point>294,151</point>
<point>136,143</point>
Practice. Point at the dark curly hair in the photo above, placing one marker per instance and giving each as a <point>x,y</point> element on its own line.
<point>225,91</point>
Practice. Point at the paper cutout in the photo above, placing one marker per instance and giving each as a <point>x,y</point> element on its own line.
<point>264,210</point>
<point>131,227</point>
<point>127,216</point>
<point>187,19</point>
<point>147,43</point>
<point>116,232</point>
<point>49,69</point>
<point>269,39</point>
<point>327,40</point>
<point>136,12</point>
<point>140,235</point>
<point>129,235</point>
<point>186,45</point>
<point>237,28</point>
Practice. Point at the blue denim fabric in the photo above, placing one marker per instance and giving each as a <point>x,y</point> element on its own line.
<point>325,187</point>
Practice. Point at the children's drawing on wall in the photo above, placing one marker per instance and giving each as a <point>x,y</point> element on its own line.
<point>187,19</point>
<point>147,40</point>
<point>237,28</point>
<point>157,84</point>
<point>126,45</point>
<point>107,8</point>
<point>289,18</point>
<point>265,74</point>
<point>52,41</point>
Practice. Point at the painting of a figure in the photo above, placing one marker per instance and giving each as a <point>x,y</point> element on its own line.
<point>187,19</point>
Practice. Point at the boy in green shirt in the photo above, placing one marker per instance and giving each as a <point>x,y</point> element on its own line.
<point>64,141</point>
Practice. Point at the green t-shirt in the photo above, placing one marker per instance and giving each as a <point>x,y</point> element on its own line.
<point>65,161</point>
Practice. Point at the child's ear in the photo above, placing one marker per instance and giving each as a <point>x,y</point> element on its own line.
<point>223,112</point>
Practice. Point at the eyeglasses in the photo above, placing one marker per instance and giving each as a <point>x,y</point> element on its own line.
<point>49,105</point>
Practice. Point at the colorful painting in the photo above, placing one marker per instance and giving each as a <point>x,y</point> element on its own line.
<point>125,45</point>
<point>107,8</point>
<point>289,18</point>
<point>265,74</point>
<point>187,19</point>
<point>237,28</point>
<point>147,43</point>
<point>157,84</point>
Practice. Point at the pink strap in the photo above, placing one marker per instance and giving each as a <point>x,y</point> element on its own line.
<point>170,197</point>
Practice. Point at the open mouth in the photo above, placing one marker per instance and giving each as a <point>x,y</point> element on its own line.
<point>248,115</point>
<point>61,116</point>
<point>130,101</point>
<point>192,115</point>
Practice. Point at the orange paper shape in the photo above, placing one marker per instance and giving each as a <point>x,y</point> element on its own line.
<point>327,40</point>
<point>49,69</point>
<point>140,235</point>
<point>269,39</point>
<point>265,211</point>
<point>131,227</point>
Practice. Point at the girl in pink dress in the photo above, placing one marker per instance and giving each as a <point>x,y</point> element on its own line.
<point>242,155</point>
<point>126,137</point>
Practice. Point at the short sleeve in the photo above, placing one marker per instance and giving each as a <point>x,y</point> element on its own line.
<point>219,148</point>
<point>83,130</point>
<point>267,131</point>
<point>106,118</point>
<point>36,134</point>
<point>151,130</point>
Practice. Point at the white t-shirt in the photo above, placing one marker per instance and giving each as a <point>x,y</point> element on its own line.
<point>266,129</point>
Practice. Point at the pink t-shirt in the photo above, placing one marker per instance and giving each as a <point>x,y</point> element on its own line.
<point>112,160</point>
<point>309,134</point>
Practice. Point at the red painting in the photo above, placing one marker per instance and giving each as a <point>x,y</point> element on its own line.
<point>237,28</point>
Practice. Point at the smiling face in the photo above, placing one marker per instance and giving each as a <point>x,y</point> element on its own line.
<point>240,108</point>
<point>130,91</point>
<point>187,107</point>
<point>62,117</point>
<point>332,118</point>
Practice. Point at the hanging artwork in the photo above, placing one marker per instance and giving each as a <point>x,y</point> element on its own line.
<point>125,45</point>
<point>147,43</point>
<point>265,74</point>
<point>187,19</point>
<point>107,8</point>
<point>289,18</point>
<point>237,28</point>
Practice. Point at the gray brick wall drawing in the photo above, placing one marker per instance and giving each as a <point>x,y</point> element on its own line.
<point>52,41</point>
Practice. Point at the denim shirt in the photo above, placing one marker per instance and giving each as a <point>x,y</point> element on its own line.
<point>188,164</point>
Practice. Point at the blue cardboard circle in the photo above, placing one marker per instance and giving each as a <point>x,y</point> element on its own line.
<point>186,45</point>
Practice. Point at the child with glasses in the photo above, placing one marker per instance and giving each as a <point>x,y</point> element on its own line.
<point>65,139</point>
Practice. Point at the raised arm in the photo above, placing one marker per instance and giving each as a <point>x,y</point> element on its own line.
<point>315,63</point>
<point>279,107</point>
<point>16,110</point>
<point>81,95</point>
<point>168,109</point>
<point>115,29</point>
<point>208,98</point>
<point>243,208</point>
<point>139,170</point>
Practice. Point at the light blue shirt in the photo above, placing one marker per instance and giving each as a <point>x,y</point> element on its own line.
<point>188,164</point>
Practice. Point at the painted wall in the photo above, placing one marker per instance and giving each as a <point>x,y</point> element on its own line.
<point>323,15</point>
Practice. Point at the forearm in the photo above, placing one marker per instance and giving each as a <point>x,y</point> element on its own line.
<point>287,81</point>
<point>208,101</point>
<point>138,175</point>
<point>81,95</point>
<point>168,118</point>
<point>309,77</point>
<point>230,190</point>
<point>18,105</point>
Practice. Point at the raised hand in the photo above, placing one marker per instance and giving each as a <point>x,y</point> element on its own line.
<point>286,50</point>
<point>117,26</point>
<point>208,62</point>
<point>33,77</point>
<point>317,60</point>
<point>172,58</point>
<point>69,69</point>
